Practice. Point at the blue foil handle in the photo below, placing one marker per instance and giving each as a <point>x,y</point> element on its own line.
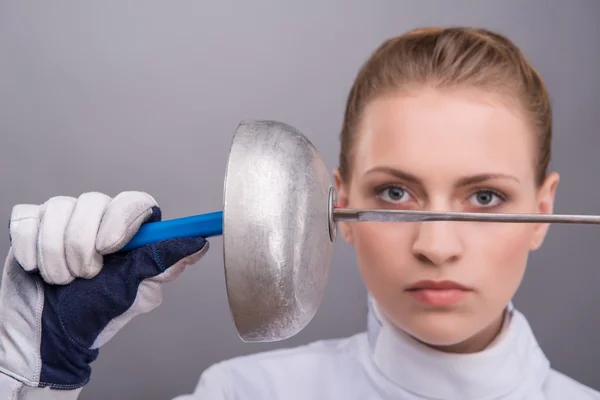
<point>203,225</point>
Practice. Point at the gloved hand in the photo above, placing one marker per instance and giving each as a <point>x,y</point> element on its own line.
<point>65,291</point>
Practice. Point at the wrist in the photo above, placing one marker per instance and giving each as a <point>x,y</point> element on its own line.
<point>11,388</point>
<point>66,364</point>
<point>65,361</point>
<point>52,363</point>
<point>34,347</point>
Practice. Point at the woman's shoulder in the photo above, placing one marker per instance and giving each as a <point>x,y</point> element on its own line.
<point>315,353</point>
<point>560,386</point>
<point>282,371</point>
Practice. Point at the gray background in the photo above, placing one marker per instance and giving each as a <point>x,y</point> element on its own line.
<point>95,95</point>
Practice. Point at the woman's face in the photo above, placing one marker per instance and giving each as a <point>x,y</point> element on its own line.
<point>444,151</point>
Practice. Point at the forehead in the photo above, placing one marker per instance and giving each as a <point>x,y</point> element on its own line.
<point>447,133</point>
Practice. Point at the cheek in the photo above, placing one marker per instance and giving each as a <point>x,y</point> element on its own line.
<point>383,252</point>
<point>500,253</point>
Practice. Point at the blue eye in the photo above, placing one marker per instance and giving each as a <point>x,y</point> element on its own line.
<point>393,194</point>
<point>486,198</point>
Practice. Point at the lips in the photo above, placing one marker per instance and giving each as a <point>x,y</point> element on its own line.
<point>437,285</point>
<point>438,293</point>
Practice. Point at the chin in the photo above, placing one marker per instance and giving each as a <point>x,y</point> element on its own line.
<point>439,329</point>
<point>439,339</point>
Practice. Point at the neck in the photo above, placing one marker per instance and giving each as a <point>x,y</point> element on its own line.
<point>478,342</point>
<point>467,370</point>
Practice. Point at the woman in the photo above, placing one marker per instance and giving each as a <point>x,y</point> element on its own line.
<point>438,119</point>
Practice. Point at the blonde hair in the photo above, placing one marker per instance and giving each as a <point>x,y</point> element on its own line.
<point>445,58</point>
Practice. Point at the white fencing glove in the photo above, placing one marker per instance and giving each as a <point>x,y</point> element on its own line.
<point>66,291</point>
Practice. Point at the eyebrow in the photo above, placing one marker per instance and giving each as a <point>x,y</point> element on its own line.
<point>465,181</point>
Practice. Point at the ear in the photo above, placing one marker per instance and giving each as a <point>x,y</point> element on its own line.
<point>342,201</point>
<point>545,199</point>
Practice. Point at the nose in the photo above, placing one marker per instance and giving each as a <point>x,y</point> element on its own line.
<point>437,243</point>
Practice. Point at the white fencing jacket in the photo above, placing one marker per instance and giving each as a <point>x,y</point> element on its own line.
<point>383,364</point>
<point>379,364</point>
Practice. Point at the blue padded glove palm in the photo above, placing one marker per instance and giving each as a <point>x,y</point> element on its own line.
<point>66,290</point>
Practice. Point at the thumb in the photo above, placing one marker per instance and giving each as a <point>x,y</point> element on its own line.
<point>172,256</point>
<point>169,253</point>
<point>163,261</point>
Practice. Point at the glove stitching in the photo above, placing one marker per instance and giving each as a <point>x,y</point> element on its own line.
<point>80,347</point>
<point>22,219</point>
<point>71,338</point>
<point>64,387</point>
<point>38,325</point>
<point>157,258</point>
<point>18,377</point>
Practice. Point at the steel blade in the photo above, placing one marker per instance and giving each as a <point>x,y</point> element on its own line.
<point>361,215</point>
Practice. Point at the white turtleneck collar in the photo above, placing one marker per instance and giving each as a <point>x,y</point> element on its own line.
<point>514,359</point>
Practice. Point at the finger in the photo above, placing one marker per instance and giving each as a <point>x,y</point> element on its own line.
<point>55,215</point>
<point>82,258</point>
<point>172,256</point>
<point>23,231</point>
<point>123,217</point>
